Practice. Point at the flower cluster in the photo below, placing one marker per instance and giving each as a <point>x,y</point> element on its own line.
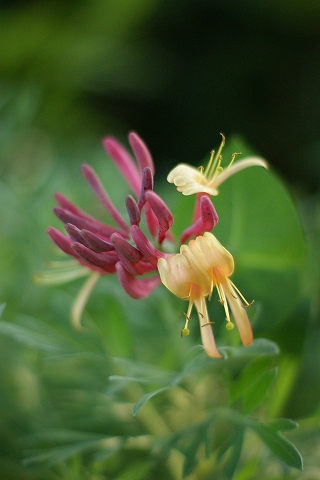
<point>140,263</point>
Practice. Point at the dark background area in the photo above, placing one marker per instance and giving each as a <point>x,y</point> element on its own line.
<point>177,72</point>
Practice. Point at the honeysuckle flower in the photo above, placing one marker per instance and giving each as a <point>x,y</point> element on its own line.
<point>142,263</point>
<point>190,180</point>
<point>192,275</point>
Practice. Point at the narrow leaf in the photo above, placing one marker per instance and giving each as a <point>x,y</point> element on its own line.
<point>147,397</point>
<point>280,446</point>
<point>235,453</point>
<point>258,390</point>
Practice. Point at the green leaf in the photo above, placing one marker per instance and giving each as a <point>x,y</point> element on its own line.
<point>251,371</point>
<point>142,372</point>
<point>280,446</point>
<point>257,391</point>
<point>47,340</point>
<point>282,424</point>
<point>188,441</point>
<point>260,346</point>
<point>235,452</point>
<point>145,398</point>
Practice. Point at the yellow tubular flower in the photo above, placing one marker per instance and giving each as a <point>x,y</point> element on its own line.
<point>192,275</point>
<point>190,180</point>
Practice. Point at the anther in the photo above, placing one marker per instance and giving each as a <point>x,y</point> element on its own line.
<point>229,325</point>
<point>185,332</point>
<point>247,305</point>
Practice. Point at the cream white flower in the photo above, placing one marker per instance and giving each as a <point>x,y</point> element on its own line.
<point>190,180</point>
<point>192,275</point>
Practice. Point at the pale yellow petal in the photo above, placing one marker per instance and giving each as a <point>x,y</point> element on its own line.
<point>237,167</point>
<point>197,273</point>
<point>239,313</point>
<point>189,180</point>
<point>206,329</point>
<point>211,254</point>
<point>82,298</point>
<point>172,271</point>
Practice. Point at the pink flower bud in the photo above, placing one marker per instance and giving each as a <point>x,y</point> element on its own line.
<point>206,222</point>
<point>102,195</point>
<point>162,212</point>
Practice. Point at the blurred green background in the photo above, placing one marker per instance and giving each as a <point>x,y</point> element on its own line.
<point>177,72</point>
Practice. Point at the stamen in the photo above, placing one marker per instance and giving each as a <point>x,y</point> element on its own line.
<point>208,323</point>
<point>185,331</point>
<point>223,301</point>
<point>210,163</point>
<point>234,155</point>
<point>246,303</point>
<point>213,170</point>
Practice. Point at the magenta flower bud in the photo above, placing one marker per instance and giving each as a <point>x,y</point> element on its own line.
<point>146,184</point>
<point>74,233</point>
<point>141,152</point>
<point>133,210</point>
<point>95,242</point>
<point>60,240</point>
<point>93,225</point>
<point>134,287</point>
<point>125,249</point>
<point>123,162</point>
<point>148,250</point>
<point>105,261</point>
<point>94,182</point>
<point>162,212</point>
<point>206,222</point>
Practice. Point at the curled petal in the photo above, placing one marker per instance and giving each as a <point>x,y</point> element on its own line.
<point>94,182</point>
<point>238,166</point>
<point>239,313</point>
<point>189,180</point>
<point>134,287</point>
<point>123,162</point>
<point>162,212</point>
<point>141,152</point>
<point>207,221</point>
